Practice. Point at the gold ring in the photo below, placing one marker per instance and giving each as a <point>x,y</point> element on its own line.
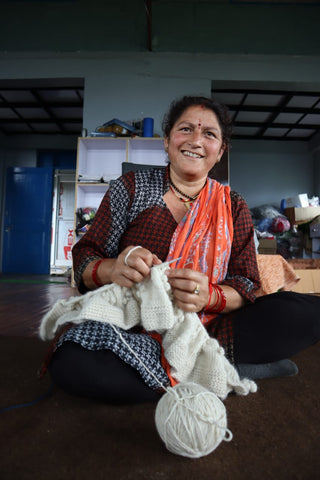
<point>196,291</point>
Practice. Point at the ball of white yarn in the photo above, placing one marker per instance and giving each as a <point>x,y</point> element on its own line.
<point>191,420</point>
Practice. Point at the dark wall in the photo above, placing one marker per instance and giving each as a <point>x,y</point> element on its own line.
<point>225,26</point>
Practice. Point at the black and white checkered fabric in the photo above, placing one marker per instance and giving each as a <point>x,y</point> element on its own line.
<point>99,336</point>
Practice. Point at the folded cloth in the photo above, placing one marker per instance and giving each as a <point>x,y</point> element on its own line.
<point>275,274</point>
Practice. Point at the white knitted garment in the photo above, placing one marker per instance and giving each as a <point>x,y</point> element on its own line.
<point>192,355</point>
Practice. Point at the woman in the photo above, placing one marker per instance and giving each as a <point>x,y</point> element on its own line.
<point>148,217</point>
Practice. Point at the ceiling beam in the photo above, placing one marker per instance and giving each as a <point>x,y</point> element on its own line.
<point>24,120</point>
<point>301,126</point>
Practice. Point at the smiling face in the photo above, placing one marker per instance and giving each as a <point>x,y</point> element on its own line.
<point>195,143</point>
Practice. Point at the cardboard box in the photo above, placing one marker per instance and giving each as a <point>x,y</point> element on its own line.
<point>297,216</point>
<point>267,246</point>
<point>309,281</point>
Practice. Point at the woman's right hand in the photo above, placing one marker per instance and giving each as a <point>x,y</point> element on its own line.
<point>131,266</point>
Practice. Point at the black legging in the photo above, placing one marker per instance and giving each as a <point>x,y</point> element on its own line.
<point>275,327</point>
<point>98,374</point>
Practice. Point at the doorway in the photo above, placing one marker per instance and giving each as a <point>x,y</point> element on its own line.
<point>27,220</point>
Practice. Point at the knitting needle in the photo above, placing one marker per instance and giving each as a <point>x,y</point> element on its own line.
<point>168,263</point>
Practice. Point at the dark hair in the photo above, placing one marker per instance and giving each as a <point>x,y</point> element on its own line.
<point>177,108</point>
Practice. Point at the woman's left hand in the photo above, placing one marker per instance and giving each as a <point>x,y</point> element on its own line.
<point>190,288</point>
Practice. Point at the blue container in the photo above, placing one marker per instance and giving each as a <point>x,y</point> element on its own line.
<point>147,127</point>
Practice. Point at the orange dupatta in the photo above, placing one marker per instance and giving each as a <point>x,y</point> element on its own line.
<point>204,236</point>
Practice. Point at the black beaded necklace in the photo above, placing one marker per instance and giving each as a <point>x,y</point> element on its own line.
<point>181,193</point>
<point>188,203</point>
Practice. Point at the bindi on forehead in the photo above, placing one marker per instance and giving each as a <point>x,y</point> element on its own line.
<point>199,123</point>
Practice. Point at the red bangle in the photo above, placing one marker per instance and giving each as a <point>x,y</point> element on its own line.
<point>217,293</point>
<point>210,295</point>
<point>221,301</point>
<point>94,273</point>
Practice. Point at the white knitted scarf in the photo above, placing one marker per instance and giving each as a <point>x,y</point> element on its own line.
<point>192,355</point>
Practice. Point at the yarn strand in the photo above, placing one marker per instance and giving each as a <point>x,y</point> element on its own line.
<point>137,357</point>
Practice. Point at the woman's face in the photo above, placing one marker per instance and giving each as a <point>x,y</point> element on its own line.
<point>195,143</point>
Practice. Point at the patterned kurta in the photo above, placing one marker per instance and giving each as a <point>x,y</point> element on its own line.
<point>133,212</point>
